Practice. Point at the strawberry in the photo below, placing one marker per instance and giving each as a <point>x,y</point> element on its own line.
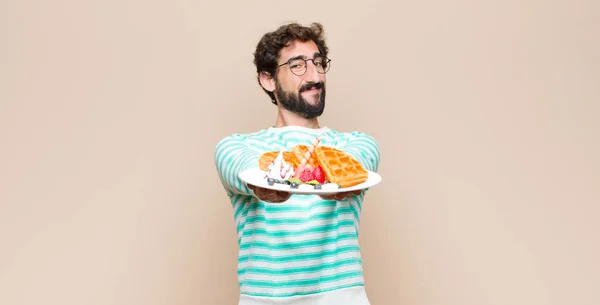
<point>306,175</point>
<point>299,171</point>
<point>319,175</point>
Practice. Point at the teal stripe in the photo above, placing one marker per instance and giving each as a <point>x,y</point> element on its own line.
<point>233,157</point>
<point>296,270</point>
<point>261,219</point>
<point>223,149</point>
<point>310,230</point>
<point>239,165</point>
<point>279,137</point>
<point>365,158</point>
<point>361,197</point>
<point>267,144</point>
<point>359,283</point>
<point>241,225</point>
<point>295,245</point>
<point>303,282</point>
<point>296,134</point>
<point>353,208</point>
<point>316,216</point>
<point>239,202</point>
<point>230,167</point>
<point>366,149</point>
<point>282,208</point>
<point>250,209</point>
<point>298,257</point>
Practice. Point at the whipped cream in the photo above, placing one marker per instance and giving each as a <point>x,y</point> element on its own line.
<point>279,169</point>
<point>330,186</point>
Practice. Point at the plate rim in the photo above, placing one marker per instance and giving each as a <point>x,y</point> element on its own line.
<point>371,174</point>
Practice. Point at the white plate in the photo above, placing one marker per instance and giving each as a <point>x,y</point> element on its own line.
<point>256,176</point>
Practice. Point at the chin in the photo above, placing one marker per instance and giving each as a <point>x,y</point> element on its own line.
<point>314,99</point>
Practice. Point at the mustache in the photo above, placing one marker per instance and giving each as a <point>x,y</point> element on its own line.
<point>311,85</point>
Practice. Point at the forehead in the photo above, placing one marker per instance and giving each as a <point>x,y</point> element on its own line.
<point>297,48</point>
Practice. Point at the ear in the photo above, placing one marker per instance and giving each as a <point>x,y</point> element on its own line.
<point>266,81</point>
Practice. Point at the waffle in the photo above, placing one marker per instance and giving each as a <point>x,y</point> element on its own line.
<point>340,167</point>
<point>299,152</point>
<point>267,158</point>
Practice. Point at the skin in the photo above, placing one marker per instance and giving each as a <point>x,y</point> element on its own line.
<point>291,83</point>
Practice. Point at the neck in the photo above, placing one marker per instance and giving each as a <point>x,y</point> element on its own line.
<point>287,118</point>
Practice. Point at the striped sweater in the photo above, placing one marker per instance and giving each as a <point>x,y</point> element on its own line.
<point>304,250</point>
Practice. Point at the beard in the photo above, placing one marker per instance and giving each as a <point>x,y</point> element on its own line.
<point>295,102</point>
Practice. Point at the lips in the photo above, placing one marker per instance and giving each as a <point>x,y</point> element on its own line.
<point>311,87</point>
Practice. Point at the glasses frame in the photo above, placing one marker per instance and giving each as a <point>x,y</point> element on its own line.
<point>326,61</point>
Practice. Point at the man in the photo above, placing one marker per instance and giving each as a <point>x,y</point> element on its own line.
<point>295,249</point>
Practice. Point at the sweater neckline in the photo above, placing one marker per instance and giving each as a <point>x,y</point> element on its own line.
<point>299,128</point>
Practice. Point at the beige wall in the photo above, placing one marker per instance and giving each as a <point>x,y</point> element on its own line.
<point>487,117</point>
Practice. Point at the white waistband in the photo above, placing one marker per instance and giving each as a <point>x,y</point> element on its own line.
<point>347,296</point>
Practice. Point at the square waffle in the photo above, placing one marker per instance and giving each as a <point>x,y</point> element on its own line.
<point>340,167</point>
<point>299,152</point>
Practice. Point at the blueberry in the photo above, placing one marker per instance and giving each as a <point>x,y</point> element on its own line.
<point>317,186</point>
<point>294,185</point>
<point>271,181</point>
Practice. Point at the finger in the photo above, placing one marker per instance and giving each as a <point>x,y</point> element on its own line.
<point>350,194</point>
<point>271,197</point>
<point>281,193</point>
<point>261,193</point>
<point>275,196</point>
<point>344,195</point>
<point>258,191</point>
<point>284,195</point>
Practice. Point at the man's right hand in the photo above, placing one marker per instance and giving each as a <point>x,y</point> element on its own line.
<point>270,195</point>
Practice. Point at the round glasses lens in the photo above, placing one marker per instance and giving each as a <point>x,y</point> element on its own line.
<point>322,64</point>
<point>298,66</point>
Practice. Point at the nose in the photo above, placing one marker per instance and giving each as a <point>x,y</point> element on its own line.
<point>311,74</point>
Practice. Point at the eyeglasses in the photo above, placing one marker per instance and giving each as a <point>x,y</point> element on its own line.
<point>298,66</point>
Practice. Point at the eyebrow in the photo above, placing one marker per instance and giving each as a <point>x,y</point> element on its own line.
<point>316,54</point>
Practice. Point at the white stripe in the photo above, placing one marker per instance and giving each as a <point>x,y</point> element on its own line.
<point>303,289</point>
<point>299,225</point>
<point>305,250</point>
<point>225,150</point>
<point>306,263</point>
<point>269,144</point>
<point>300,214</point>
<point>302,200</point>
<point>293,229</point>
<point>302,204</point>
<point>299,239</point>
<point>301,276</point>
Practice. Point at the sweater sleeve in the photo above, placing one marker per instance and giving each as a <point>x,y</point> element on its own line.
<point>233,155</point>
<point>365,149</point>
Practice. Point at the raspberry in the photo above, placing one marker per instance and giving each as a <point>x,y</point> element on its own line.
<point>319,175</point>
<point>306,175</point>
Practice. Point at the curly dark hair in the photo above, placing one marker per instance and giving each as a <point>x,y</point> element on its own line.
<point>269,47</point>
